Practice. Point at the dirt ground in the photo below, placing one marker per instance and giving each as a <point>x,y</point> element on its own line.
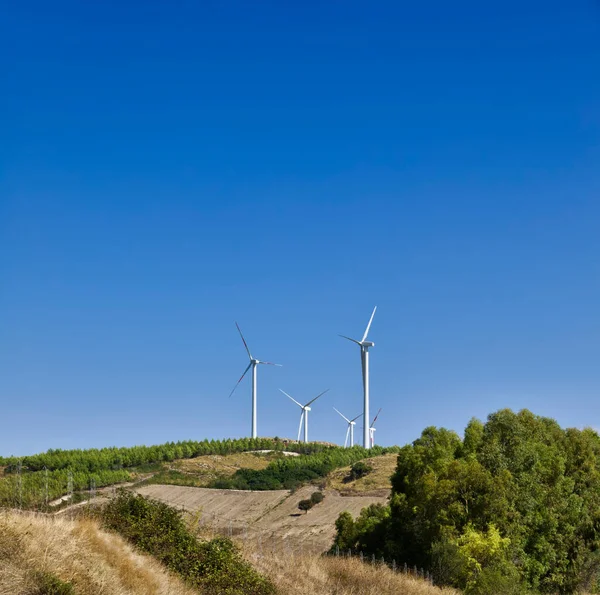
<point>268,517</point>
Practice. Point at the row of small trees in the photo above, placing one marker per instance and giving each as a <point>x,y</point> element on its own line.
<point>98,459</point>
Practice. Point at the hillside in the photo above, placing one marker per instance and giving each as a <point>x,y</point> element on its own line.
<point>376,483</point>
<point>42,553</point>
<point>272,516</point>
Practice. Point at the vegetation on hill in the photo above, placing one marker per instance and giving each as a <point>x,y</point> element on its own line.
<point>215,566</point>
<point>43,555</point>
<point>377,480</point>
<point>97,459</point>
<point>513,507</point>
<point>290,472</point>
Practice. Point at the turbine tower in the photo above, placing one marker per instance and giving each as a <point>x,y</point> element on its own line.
<point>372,429</point>
<point>253,364</point>
<point>350,430</point>
<point>364,358</point>
<point>304,414</point>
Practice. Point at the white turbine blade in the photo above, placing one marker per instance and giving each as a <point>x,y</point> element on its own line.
<point>347,435</point>
<point>349,339</point>
<point>292,398</point>
<point>241,378</point>
<point>307,404</point>
<point>300,426</point>
<point>354,419</point>
<point>342,415</point>
<point>244,340</point>
<point>270,364</point>
<point>369,325</point>
<point>373,424</point>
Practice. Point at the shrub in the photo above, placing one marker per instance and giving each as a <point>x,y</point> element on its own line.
<point>305,505</point>
<point>317,497</point>
<point>359,469</point>
<point>215,566</point>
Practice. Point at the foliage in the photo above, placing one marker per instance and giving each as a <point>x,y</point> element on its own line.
<point>514,506</point>
<point>359,470</point>
<point>289,472</point>
<point>94,459</point>
<point>317,497</point>
<point>305,505</point>
<point>159,530</point>
<point>29,489</point>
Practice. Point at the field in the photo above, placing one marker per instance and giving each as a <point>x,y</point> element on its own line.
<point>269,516</point>
<point>377,482</point>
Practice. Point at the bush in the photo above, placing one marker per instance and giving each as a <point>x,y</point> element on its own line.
<point>317,497</point>
<point>359,470</point>
<point>215,566</point>
<point>305,505</point>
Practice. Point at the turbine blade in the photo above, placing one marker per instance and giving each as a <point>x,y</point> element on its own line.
<point>244,340</point>
<point>241,378</point>
<point>347,435</point>
<point>270,364</point>
<point>300,426</point>
<point>349,339</point>
<point>376,417</point>
<point>354,419</point>
<point>307,404</point>
<point>342,415</point>
<point>292,398</point>
<point>369,325</point>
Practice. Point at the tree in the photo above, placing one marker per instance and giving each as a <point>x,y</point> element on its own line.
<point>305,505</point>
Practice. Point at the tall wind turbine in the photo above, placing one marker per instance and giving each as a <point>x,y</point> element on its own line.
<point>350,430</point>
<point>372,429</point>
<point>364,359</point>
<point>304,414</point>
<point>253,364</point>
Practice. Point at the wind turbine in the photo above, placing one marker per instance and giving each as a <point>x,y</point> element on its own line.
<point>304,414</point>
<point>372,429</point>
<point>350,430</point>
<point>253,364</point>
<point>364,359</point>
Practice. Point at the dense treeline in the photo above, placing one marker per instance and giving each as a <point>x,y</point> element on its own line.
<point>514,507</point>
<point>94,459</point>
<point>214,566</point>
<point>289,472</point>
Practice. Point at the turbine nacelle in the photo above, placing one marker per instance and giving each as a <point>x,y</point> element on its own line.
<point>367,344</point>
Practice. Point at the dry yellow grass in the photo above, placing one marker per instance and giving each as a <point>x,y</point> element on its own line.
<point>210,467</point>
<point>376,481</point>
<point>95,562</point>
<point>299,575</point>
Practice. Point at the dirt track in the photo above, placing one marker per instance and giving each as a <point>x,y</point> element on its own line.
<point>268,515</point>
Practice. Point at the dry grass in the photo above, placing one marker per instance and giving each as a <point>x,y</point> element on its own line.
<point>298,575</point>
<point>378,481</point>
<point>210,467</point>
<point>79,552</point>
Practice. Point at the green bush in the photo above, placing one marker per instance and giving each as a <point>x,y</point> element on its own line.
<point>317,497</point>
<point>305,505</point>
<point>215,566</point>
<point>359,470</point>
<point>514,506</point>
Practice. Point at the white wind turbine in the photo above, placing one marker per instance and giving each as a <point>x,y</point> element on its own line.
<point>372,429</point>
<point>364,358</point>
<point>350,430</point>
<point>304,414</point>
<point>253,364</point>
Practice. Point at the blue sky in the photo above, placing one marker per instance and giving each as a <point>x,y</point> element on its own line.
<point>169,168</point>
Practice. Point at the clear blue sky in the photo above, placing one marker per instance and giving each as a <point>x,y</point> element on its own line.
<point>167,168</point>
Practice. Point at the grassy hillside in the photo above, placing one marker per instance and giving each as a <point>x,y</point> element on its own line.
<point>376,481</point>
<point>47,555</point>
